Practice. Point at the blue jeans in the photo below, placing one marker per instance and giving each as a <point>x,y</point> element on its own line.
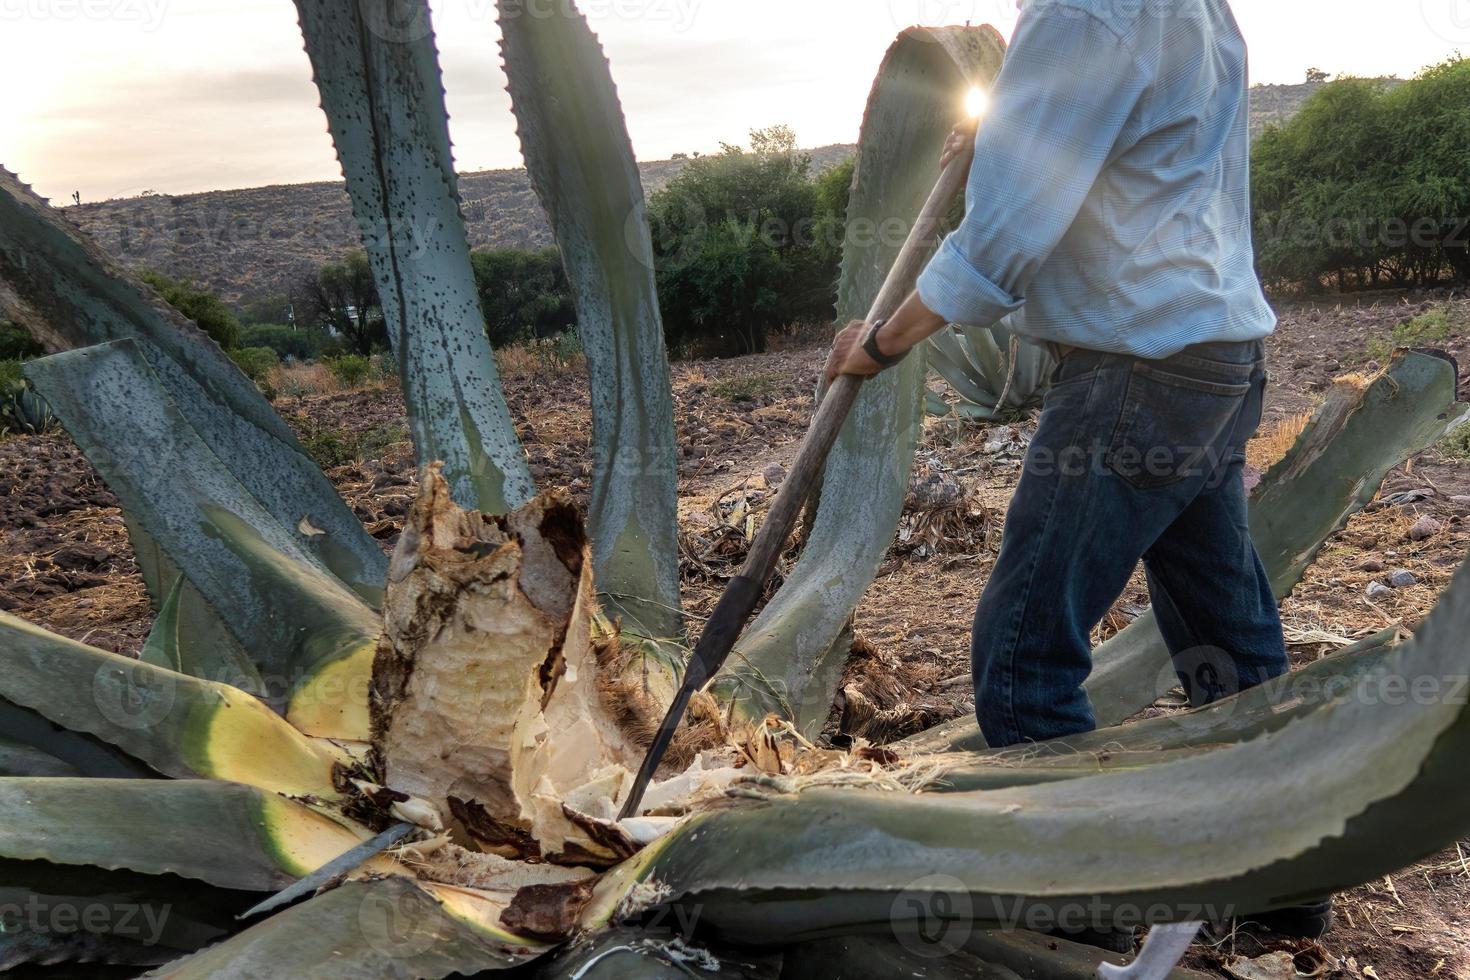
<point>1133,459</point>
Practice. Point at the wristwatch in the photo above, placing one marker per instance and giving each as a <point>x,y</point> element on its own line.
<point>870,347</point>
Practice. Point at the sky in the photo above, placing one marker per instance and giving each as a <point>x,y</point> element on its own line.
<point>115,97</point>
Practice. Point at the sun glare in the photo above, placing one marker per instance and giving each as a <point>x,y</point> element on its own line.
<point>977,101</point>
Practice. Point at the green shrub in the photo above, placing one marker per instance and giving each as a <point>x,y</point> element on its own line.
<point>256,362</point>
<point>203,307</point>
<point>330,447</point>
<point>303,344</point>
<point>1425,330</point>
<point>562,352</point>
<point>749,388</point>
<point>17,344</point>
<point>524,295</point>
<point>1457,443</point>
<point>351,370</point>
<point>1367,185</point>
<point>746,243</point>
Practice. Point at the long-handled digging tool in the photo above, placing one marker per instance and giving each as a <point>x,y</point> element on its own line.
<point>734,608</point>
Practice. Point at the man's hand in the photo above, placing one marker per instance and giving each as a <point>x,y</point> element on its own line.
<point>960,140</point>
<point>848,356</point>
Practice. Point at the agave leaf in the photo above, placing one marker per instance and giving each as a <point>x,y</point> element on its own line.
<point>790,660</point>
<point>1360,787</point>
<point>949,357</point>
<point>577,152</point>
<point>1250,713</point>
<point>181,726</point>
<point>976,362</point>
<point>311,637</point>
<point>86,755</point>
<point>1360,433</point>
<point>226,834</point>
<point>120,917</point>
<point>69,293</point>
<point>187,637</point>
<point>393,929</point>
<point>23,758</point>
<point>378,74</point>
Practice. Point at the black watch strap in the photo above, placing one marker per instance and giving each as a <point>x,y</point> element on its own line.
<point>870,347</point>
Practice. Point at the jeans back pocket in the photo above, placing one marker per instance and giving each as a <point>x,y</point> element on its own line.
<point>1175,426</point>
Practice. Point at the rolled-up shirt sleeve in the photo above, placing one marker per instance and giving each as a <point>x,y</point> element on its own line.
<point>1067,89</point>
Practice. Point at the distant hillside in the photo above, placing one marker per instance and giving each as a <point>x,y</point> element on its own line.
<point>245,244</point>
<point>1272,105</point>
<point>249,243</point>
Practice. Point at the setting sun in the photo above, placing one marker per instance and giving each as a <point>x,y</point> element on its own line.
<point>977,101</point>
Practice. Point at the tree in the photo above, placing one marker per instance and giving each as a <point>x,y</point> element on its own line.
<point>1316,76</point>
<point>1366,186</point>
<point>739,246</point>
<point>523,294</point>
<point>342,298</point>
<point>203,307</point>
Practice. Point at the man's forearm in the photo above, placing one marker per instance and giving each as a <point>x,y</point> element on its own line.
<point>910,326</point>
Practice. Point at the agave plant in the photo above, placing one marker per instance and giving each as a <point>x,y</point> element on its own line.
<point>437,745</point>
<point>22,410</point>
<point>995,371</point>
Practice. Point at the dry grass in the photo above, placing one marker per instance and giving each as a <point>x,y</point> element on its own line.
<point>303,380</point>
<point>1271,446</point>
<point>539,360</point>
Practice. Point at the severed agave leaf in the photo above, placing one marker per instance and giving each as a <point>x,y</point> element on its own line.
<point>70,294</point>
<point>310,637</point>
<point>378,74</point>
<point>580,161</point>
<point>394,929</point>
<point>178,725</point>
<point>790,660</point>
<point>228,835</point>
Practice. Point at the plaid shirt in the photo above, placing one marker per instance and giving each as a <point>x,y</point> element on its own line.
<point>1109,204</point>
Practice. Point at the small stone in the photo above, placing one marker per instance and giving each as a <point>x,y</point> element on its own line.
<point>1462,503</point>
<point>774,474</point>
<point>1403,579</point>
<point>1424,529</point>
<point>1377,590</point>
<point>1372,566</point>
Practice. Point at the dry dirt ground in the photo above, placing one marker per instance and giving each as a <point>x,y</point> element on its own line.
<point>65,562</point>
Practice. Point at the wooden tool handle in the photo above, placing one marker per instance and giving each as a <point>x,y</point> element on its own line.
<point>842,393</point>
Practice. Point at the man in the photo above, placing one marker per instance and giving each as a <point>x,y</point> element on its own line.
<point>1108,215</point>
